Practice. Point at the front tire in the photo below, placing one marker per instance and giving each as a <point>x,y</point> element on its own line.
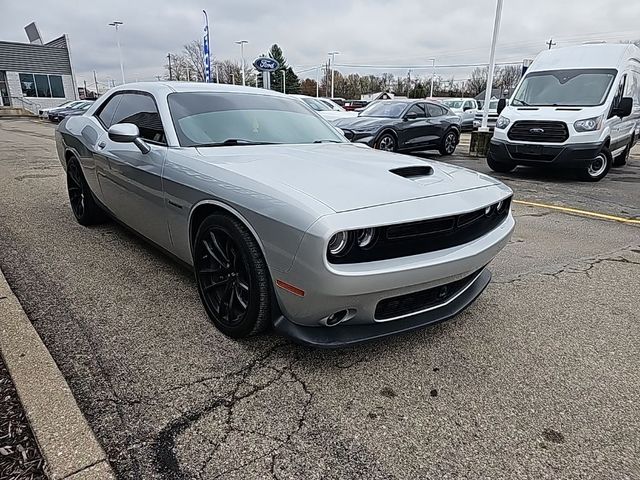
<point>598,167</point>
<point>621,159</point>
<point>232,276</point>
<point>83,205</point>
<point>448,143</point>
<point>499,166</point>
<point>387,142</point>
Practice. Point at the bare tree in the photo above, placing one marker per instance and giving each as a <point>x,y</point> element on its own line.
<point>194,56</point>
<point>508,77</point>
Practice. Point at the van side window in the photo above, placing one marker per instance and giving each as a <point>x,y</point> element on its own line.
<point>619,94</point>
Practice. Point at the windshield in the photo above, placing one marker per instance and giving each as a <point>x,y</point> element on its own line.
<point>384,108</point>
<point>580,88</point>
<point>317,105</point>
<point>453,103</point>
<point>205,118</point>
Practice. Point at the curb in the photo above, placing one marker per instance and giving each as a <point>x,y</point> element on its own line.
<point>66,441</point>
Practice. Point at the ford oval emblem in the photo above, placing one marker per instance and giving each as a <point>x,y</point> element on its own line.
<point>537,131</point>
<point>266,64</point>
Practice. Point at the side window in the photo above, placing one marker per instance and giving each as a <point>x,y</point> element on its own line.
<point>107,110</point>
<point>418,109</point>
<point>140,110</point>
<point>435,110</point>
<point>467,105</point>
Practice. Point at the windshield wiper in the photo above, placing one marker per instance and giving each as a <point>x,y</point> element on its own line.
<point>234,141</point>
<point>328,140</point>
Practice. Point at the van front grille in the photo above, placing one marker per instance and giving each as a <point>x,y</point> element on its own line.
<point>538,131</point>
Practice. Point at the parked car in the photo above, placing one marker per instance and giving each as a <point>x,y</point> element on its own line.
<point>405,125</point>
<point>339,100</point>
<point>44,112</point>
<point>323,109</point>
<point>575,107</point>
<point>351,105</point>
<point>491,119</point>
<point>331,104</point>
<point>466,108</point>
<point>284,221</point>
<point>77,109</point>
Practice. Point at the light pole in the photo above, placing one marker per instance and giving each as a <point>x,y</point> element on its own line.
<point>492,64</point>
<point>241,43</point>
<point>317,82</point>
<point>284,82</point>
<point>333,70</point>
<point>433,75</point>
<point>116,24</point>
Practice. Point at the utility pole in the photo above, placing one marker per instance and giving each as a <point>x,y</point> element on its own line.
<point>116,24</point>
<point>170,73</point>
<point>433,75</point>
<point>317,82</point>
<point>551,43</point>
<point>333,71</point>
<point>241,43</point>
<point>492,65</point>
<point>95,80</point>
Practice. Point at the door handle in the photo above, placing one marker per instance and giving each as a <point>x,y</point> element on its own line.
<point>102,145</point>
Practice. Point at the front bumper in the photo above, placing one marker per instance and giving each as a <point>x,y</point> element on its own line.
<point>345,335</point>
<point>576,155</point>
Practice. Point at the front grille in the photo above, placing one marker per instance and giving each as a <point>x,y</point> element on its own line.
<point>422,300</point>
<point>405,239</point>
<point>538,131</point>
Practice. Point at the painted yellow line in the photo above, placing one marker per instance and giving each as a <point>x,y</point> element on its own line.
<point>576,211</point>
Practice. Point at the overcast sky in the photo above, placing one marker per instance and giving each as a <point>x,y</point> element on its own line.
<point>372,32</point>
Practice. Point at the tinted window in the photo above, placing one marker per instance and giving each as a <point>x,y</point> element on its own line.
<point>57,89</point>
<point>384,108</point>
<point>28,85</point>
<point>211,118</point>
<point>435,110</point>
<point>108,109</point>
<point>42,86</point>
<point>140,110</point>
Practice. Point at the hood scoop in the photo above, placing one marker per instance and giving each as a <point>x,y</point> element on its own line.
<point>414,172</point>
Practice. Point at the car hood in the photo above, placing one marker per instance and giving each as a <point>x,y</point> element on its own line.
<point>343,176</point>
<point>333,115</point>
<point>363,123</point>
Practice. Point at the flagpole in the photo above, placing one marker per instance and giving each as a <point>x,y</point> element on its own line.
<point>207,49</point>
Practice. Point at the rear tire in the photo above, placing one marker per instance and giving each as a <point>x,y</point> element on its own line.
<point>499,166</point>
<point>83,205</point>
<point>598,167</point>
<point>449,143</point>
<point>232,276</point>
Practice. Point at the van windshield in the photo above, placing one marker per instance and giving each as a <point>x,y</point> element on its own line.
<point>576,87</point>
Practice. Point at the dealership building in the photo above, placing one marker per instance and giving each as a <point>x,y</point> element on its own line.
<point>36,75</point>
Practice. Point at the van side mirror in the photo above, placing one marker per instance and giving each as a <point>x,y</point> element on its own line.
<point>502,103</point>
<point>624,107</point>
<point>128,133</point>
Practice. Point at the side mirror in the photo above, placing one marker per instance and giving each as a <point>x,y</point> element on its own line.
<point>411,116</point>
<point>624,107</point>
<point>502,103</point>
<point>128,133</point>
<point>349,134</point>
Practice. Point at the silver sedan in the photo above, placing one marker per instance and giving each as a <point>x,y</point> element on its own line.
<point>285,222</point>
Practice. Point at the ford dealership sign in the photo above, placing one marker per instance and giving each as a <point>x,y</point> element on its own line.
<point>266,64</point>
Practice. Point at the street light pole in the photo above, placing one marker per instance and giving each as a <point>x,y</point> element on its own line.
<point>317,82</point>
<point>116,24</point>
<point>492,64</point>
<point>333,71</point>
<point>241,43</point>
<point>433,75</point>
<point>284,82</point>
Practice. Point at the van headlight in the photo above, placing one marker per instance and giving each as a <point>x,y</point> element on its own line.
<point>502,122</point>
<point>588,124</point>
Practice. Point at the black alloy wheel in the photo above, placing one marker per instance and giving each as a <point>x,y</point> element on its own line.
<point>83,205</point>
<point>387,143</point>
<point>449,143</point>
<point>232,276</point>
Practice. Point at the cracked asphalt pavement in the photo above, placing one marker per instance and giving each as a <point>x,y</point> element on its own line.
<point>538,379</point>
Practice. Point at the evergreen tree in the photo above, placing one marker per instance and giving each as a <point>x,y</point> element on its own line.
<point>292,82</point>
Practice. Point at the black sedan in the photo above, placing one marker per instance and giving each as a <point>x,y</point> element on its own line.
<point>404,125</point>
<point>58,115</point>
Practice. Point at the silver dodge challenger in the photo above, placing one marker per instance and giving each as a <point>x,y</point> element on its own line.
<point>284,221</point>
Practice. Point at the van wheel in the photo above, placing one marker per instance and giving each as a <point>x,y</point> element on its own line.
<point>499,166</point>
<point>598,167</point>
<point>621,159</point>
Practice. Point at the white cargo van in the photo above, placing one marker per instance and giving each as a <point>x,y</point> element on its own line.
<point>575,107</point>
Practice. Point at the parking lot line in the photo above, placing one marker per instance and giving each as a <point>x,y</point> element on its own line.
<point>577,211</point>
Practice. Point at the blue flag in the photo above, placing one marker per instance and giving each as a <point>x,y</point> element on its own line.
<point>205,44</point>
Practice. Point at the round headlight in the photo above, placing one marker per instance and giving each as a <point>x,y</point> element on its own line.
<point>338,243</point>
<point>365,237</point>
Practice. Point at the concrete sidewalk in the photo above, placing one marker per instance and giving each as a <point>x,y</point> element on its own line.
<point>66,441</point>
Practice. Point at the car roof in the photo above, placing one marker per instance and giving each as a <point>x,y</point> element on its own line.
<point>163,87</point>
